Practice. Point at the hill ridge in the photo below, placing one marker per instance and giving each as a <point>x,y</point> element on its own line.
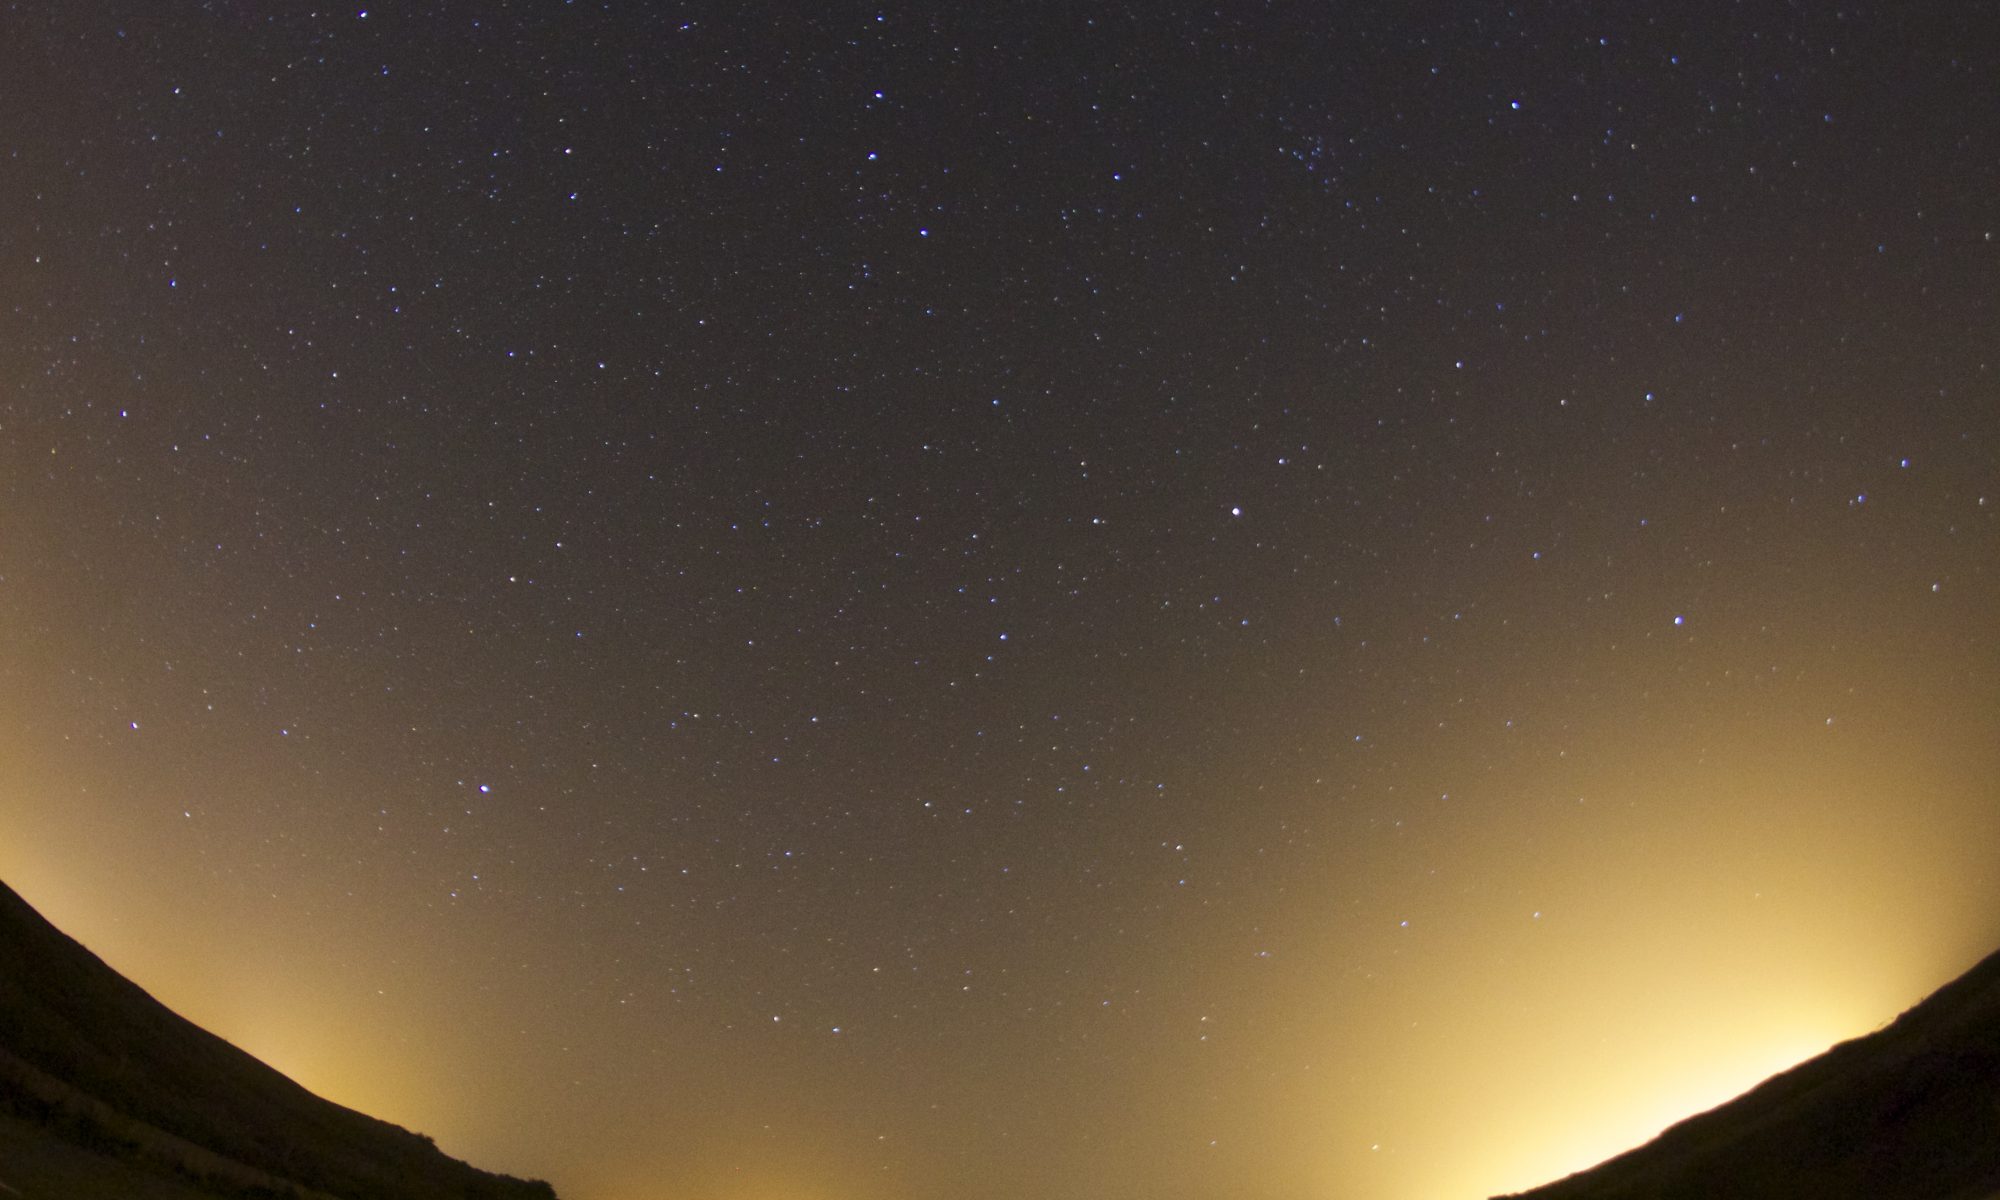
<point>84,1035</point>
<point>1909,1112</point>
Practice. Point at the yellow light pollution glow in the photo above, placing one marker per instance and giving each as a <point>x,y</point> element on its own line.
<point>1289,602</point>
<point>1479,1048</point>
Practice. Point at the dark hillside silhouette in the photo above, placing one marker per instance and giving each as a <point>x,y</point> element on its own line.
<point>102,1086</point>
<point>1911,1112</point>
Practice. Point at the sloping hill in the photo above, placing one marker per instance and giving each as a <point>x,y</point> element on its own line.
<point>91,1061</point>
<point>1911,1112</point>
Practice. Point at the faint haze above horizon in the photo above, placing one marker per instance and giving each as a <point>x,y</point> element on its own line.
<point>1282,602</point>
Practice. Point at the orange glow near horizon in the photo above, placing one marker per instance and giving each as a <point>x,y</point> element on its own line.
<point>1677,935</point>
<point>1651,1101</point>
<point>1702,946</point>
<point>1464,1090</point>
<point>1000,602</point>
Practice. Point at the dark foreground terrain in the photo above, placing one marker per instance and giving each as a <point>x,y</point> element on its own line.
<point>1911,1112</point>
<point>104,1093</point>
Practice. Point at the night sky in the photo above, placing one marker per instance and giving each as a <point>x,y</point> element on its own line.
<point>1277,602</point>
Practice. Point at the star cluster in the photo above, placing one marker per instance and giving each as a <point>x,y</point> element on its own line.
<point>1091,600</point>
